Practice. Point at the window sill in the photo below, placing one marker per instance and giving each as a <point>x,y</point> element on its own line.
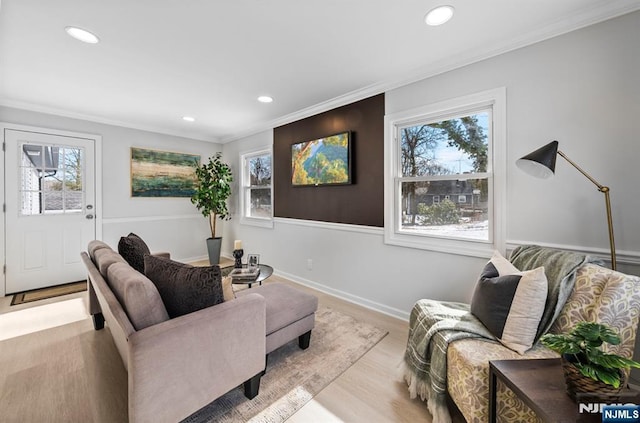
<point>259,222</point>
<point>470,248</point>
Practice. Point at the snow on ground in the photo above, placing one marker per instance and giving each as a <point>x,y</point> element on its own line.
<point>474,230</point>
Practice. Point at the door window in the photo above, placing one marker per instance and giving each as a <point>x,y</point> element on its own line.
<point>51,179</point>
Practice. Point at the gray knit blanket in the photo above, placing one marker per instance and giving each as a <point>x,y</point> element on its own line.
<point>560,268</point>
<point>432,326</point>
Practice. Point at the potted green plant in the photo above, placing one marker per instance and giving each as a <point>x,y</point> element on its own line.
<point>586,367</point>
<point>213,188</point>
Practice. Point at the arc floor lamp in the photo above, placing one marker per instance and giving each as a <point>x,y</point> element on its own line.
<point>542,164</point>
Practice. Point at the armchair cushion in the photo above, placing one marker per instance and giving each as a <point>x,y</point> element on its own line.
<point>510,303</point>
<point>133,249</point>
<point>184,288</point>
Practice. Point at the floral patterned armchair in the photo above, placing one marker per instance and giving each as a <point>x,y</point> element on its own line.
<point>599,295</point>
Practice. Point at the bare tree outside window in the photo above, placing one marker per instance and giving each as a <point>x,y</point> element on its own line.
<point>446,159</point>
<point>51,179</point>
<point>258,191</point>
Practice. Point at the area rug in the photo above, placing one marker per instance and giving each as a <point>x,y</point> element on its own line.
<point>294,376</point>
<point>44,293</point>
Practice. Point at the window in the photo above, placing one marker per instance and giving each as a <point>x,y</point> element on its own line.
<point>256,199</point>
<point>50,179</point>
<point>444,185</point>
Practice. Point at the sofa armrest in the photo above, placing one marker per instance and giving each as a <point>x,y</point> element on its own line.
<point>179,366</point>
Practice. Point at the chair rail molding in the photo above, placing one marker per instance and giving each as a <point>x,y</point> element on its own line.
<point>371,230</point>
<point>625,257</point>
<point>113,220</point>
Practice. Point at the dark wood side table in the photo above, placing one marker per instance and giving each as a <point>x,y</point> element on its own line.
<point>539,383</point>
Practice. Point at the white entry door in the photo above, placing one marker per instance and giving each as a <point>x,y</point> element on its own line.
<point>50,208</point>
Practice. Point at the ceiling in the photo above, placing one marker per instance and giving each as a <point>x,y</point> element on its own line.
<point>160,60</point>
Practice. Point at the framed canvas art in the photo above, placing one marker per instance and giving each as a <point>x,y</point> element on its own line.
<point>162,173</point>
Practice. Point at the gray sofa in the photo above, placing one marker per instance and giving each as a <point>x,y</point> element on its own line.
<point>177,366</point>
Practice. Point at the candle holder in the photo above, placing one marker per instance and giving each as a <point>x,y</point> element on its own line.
<point>237,254</point>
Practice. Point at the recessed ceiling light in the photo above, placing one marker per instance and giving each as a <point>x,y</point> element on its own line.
<point>439,15</point>
<point>82,35</point>
<point>265,99</point>
<point>189,118</point>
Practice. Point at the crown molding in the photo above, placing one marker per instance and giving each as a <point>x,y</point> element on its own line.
<point>605,11</point>
<point>589,17</point>
<point>105,121</point>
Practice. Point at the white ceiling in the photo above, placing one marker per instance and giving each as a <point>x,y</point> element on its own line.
<point>159,60</point>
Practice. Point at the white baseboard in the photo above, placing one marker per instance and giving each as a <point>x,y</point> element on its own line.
<point>372,305</point>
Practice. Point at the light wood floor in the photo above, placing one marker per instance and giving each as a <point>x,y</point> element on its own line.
<point>71,373</point>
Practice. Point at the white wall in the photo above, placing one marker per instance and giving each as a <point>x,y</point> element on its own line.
<point>167,224</point>
<point>581,88</point>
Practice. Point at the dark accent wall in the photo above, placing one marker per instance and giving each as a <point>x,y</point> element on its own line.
<point>362,202</point>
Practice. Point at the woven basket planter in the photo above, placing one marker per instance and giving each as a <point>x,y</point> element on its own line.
<point>580,384</point>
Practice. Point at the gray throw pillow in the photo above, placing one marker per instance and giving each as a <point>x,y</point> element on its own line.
<point>133,249</point>
<point>510,302</point>
<point>184,288</point>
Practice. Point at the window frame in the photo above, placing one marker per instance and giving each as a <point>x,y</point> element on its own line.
<point>42,191</point>
<point>245,188</point>
<point>495,100</point>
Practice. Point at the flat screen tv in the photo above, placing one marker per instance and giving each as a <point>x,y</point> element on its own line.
<point>322,161</point>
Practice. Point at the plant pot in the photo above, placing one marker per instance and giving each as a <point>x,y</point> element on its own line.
<point>213,248</point>
<point>579,385</point>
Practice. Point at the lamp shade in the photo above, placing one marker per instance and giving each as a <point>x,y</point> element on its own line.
<point>540,163</point>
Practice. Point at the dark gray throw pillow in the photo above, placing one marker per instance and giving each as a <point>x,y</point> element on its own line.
<point>133,249</point>
<point>510,302</point>
<point>184,288</point>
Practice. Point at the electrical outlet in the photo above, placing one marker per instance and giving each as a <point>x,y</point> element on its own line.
<point>309,264</point>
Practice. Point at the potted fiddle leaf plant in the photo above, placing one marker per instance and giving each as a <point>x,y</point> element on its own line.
<point>588,369</point>
<point>213,188</point>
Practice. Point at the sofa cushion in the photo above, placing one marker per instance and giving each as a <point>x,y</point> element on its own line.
<point>96,245</point>
<point>133,249</point>
<point>184,288</point>
<point>137,295</point>
<point>510,303</point>
<point>105,257</point>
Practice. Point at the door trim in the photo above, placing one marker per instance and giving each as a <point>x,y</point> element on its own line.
<point>97,164</point>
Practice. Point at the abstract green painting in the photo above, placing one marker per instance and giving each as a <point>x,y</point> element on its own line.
<point>162,173</point>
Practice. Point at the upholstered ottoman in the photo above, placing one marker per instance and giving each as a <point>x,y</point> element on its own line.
<point>290,314</point>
